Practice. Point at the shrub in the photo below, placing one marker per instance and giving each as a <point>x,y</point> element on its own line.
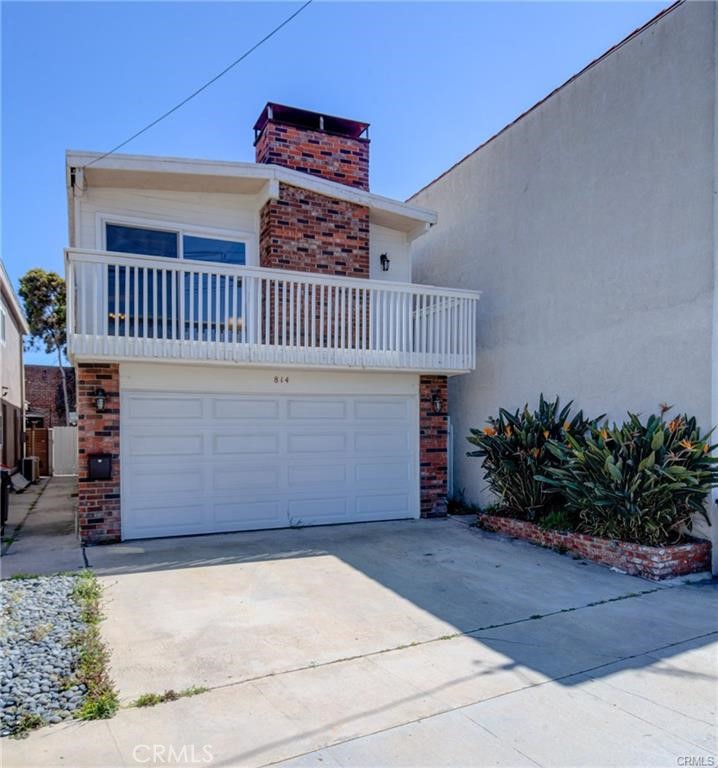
<point>635,482</point>
<point>514,451</point>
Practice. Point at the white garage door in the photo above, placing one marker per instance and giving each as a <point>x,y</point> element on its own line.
<point>200,463</point>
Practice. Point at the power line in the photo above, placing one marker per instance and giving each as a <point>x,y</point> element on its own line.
<point>203,87</point>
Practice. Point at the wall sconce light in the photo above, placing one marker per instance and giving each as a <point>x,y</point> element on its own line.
<point>5,390</point>
<point>437,402</point>
<point>100,399</point>
<point>385,261</point>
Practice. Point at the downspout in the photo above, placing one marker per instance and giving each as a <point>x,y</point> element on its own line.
<point>714,350</point>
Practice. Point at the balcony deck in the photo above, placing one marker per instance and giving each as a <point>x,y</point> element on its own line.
<point>125,307</point>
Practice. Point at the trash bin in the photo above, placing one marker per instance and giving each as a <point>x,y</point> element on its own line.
<point>4,497</point>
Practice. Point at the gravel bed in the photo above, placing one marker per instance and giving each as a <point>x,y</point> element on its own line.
<point>40,620</point>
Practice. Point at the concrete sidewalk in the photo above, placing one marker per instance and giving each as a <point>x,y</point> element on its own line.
<point>421,643</point>
<point>40,535</point>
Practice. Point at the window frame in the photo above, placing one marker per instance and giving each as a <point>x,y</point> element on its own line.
<point>251,255</point>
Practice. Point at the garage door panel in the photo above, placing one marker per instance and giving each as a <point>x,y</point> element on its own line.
<point>237,479</point>
<point>177,408</point>
<point>240,443</point>
<point>308,442</point>
<point>316,475</point>
<point>370,474</point>
<point>385,442</point>
<point>317,409</point>
<point>244,408</point>
<point>156,480</point>
<point>197,463</point>
<point>248,515</point>
<point>380,505</point>
<point>312,511</point>
<point>163,516</point>
<point>381,410</point>
<point>163,444</point>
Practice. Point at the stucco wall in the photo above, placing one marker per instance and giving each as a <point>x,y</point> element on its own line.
<point>588,225</point>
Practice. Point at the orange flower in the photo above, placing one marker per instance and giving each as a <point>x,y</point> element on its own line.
<point>604,433</point>
<point>706,447</point>
<point>567,425</point>
<point>489,431</point>
<point>535,452</point>
<point>545,434</point>
<point>687,444</point>
<point>508,432</point>
<point>674,424</point>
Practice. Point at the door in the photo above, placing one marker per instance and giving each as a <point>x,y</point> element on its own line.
<point>200,463</point>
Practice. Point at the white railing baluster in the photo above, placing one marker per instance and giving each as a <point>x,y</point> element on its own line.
<point>408,327</point>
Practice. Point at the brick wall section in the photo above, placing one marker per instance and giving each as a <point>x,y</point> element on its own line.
<point>43,392</point>
<point>653,563</point>
<point>336,158</point>
<point>433,434</point>
<point>98,500</point>
<point>308,232</point>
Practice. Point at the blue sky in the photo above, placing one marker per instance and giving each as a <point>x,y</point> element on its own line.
<point>433,79</point>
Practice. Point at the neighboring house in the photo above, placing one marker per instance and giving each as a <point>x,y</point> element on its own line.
<point>12,391</point>
<point>590,225</point>
<point>44,396</point>
<point>249,350</point>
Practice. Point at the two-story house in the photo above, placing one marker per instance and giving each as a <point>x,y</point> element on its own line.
<point>250,350</point>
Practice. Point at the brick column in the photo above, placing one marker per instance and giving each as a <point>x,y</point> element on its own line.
<point>433,454</point>
<point>98,501</point>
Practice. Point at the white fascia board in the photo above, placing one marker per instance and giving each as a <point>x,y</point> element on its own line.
<point>414,217</point>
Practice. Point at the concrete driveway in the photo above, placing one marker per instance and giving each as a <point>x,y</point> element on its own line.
<point>407,644</point>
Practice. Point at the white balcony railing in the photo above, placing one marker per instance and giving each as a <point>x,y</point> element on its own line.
<point>136,307</point>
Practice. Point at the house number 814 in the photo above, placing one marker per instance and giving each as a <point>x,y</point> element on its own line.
<point>281,379</point>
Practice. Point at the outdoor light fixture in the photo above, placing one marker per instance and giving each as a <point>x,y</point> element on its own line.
<point>385,261</point>
<point>437,403</point>
<point>100,399</point>
<point>5,390</point>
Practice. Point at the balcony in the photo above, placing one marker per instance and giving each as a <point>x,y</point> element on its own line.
<point>125,307</point>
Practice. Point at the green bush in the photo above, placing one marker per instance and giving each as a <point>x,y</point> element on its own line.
<point>634,482</point>
<point>514,451</point>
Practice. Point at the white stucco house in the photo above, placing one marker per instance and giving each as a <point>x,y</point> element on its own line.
<point>590,223</point>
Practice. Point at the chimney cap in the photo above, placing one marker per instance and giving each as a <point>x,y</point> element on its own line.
<point>313,121</point>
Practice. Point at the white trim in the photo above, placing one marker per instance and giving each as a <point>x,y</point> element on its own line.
<point>3,324</point>
<point>251,256</point>
<point>260,171</point>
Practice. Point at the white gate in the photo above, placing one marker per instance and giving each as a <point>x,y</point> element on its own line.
<point>64,450</point>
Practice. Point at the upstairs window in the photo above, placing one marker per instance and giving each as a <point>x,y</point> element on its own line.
<point>148,242</point>
<point>125,238</point>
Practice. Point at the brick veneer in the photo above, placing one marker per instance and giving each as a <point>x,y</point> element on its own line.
<point>98,501</point>
<point>337,158</point>
<point>636,559</point>
<point>433,435</point>
<point>308,232</point>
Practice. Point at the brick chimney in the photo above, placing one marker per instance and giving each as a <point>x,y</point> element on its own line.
<point>304,230</point>
<point>321,145</point>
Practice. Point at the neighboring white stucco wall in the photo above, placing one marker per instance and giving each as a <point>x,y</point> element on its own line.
<point>588,225</point>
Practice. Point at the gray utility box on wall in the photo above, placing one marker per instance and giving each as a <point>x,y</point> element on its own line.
<point>99,466</point>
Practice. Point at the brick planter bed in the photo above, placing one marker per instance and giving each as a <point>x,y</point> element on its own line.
<point>636,559</point>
